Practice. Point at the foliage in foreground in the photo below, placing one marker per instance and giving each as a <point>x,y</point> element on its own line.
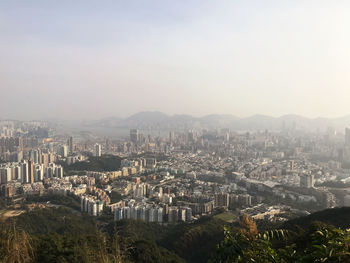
<point>321,243</point>
<point>64,235</point>
<point>15,246</point>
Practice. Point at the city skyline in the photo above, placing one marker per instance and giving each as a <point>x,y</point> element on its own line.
<point>174,131</point>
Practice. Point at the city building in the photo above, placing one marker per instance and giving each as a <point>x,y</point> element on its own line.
<point>134,136</point>
<point>97,150</point>
<point>306,180</point>
<point>70,145</point>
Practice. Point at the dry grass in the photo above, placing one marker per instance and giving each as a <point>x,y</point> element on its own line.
<point>17,246</point>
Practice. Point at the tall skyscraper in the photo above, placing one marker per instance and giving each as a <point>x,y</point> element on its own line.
<point>171,137</point>
<point>38,172</point>
<point>108,144</point>
<point>291,164</point>
<point>30,171</point>
<point>63,151</point>
<point>306,180</point>
<point>70,145</point>
<point>35,155</point>
<point>97,150</point>
<point>347,137</point>
<point>134,136</point>
<point>45,159</point>
<point>59,171</point>
<point>24,170</point>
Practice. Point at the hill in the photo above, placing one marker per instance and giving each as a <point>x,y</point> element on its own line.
<point>156,120</point>
<point>105,163</point>
<point>65,235</point>
<point>338,217</point>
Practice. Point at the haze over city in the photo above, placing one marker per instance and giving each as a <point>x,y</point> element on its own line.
<point>174,131</point>
<point>87,60</point>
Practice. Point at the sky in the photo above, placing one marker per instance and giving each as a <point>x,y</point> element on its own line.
<point>87,59</point>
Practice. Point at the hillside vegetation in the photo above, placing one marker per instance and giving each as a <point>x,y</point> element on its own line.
<point>64,235</point>
<point>104,163</point>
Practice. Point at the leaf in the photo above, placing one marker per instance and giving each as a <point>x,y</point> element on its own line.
<point>319,232</point>
<point>331,252</point>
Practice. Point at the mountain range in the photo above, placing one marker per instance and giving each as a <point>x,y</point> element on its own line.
<point>156,119</point>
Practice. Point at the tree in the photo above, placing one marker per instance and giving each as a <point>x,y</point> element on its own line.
<point>328,244</point>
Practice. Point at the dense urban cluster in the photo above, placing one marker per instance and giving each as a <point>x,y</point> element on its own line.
<point>179,175</point>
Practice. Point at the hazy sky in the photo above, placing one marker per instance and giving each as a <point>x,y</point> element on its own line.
<point>94,59</point>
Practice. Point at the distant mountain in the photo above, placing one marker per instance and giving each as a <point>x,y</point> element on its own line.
<point>258,122</point>
<point>219,120</point>
<point>183,117</point>
<point>107,122</point>
<point>150,116</point>
<point>342,121</point>
<point>221,117</point>
<point>159,120</point>
<point>300,122</point>
<point>145,119</point>
<point>292,118</point>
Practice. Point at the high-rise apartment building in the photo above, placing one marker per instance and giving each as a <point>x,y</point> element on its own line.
<point>134,136</point>
<point>222,200</point>
<point>70,145</point>
<point>24,169</point>
<point>98,150</point>
<point>347,137</point>
<point>306,180</point>
<point>30,172</point>
<point>63,151</point>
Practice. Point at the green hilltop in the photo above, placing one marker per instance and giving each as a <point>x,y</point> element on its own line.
<point>64,235</point>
